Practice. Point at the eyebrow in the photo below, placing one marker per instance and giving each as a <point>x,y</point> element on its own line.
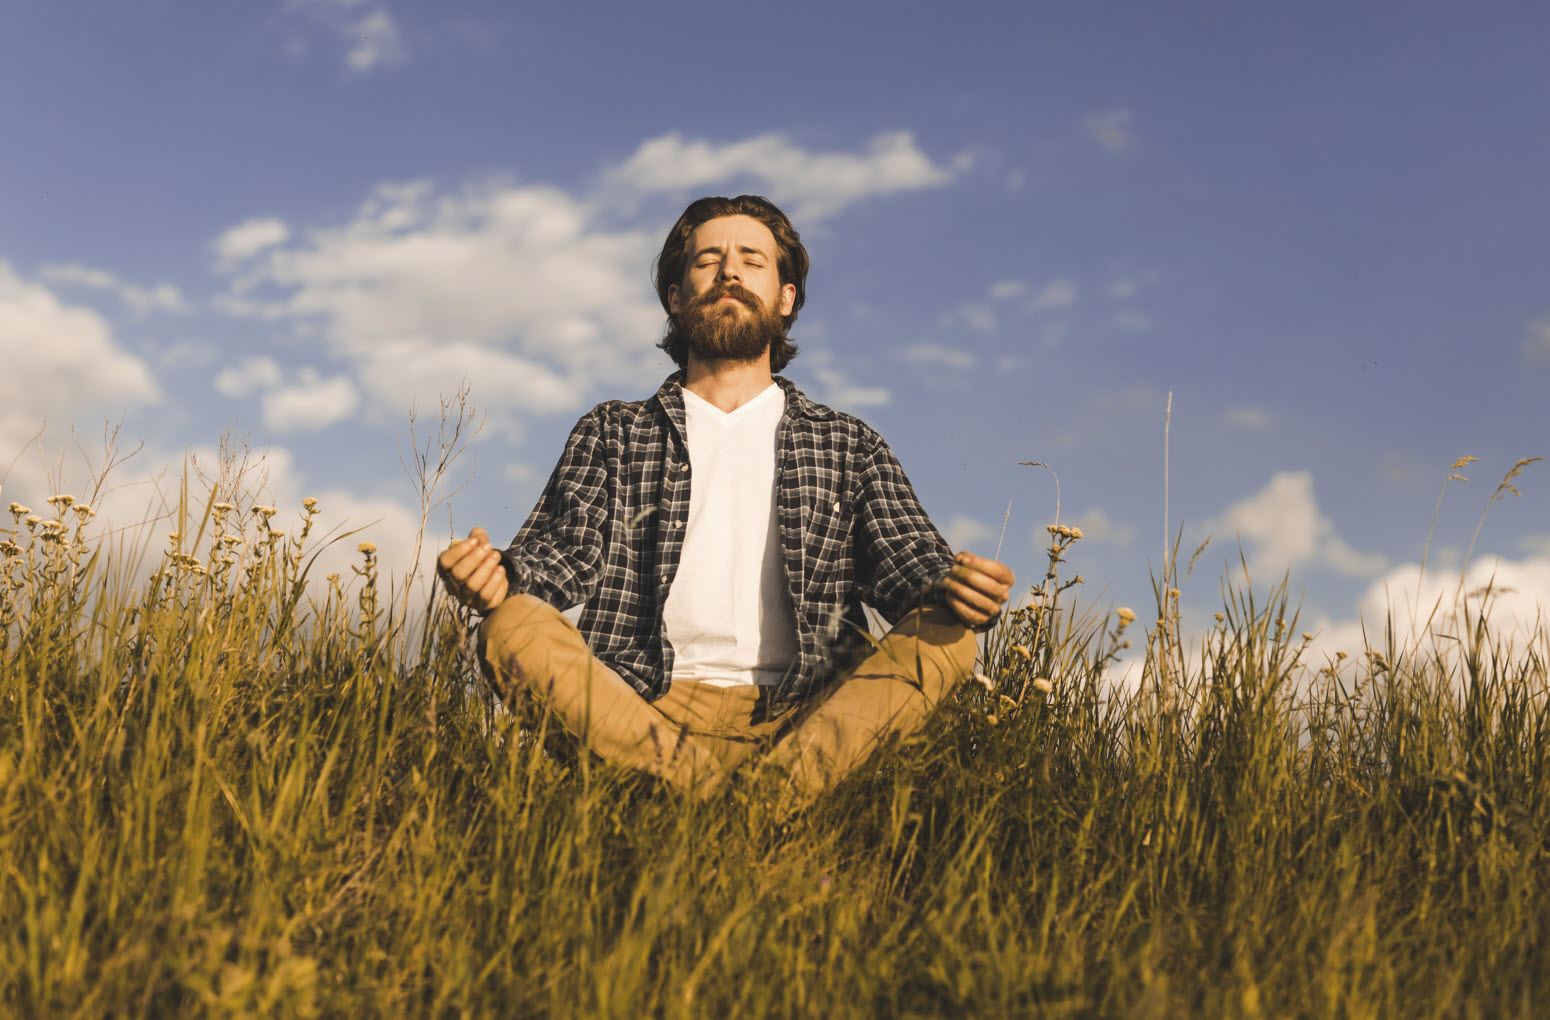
<point>744,249</point>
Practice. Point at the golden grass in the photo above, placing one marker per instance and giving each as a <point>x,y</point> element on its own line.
<point>234,793</point>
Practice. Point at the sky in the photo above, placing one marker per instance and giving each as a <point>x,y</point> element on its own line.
<point>1319,229</point>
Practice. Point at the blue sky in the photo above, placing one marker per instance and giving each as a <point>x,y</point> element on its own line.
<point>1322,227</point>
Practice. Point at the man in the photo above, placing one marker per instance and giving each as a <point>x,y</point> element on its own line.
<point>723,535</point>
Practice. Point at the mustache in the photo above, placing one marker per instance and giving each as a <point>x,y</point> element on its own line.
<point>732,290</point>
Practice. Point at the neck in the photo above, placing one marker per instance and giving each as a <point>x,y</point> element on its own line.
<point>728,385</point>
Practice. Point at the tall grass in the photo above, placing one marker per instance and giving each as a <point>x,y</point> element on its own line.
<point>230,792</point>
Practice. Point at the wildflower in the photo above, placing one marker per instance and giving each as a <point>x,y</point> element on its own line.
<point>19,510</point>
<point>1339,656</point>
<point>367,547</point>
<point>10,548</point>
<point>1074,532</point>
<point>51,527</point>
<point>984,681</point>
<point>265,512</point>
<point>1126,616</point>
<point>310,503</point>
<point>1306,636</point>
<point>62,499</point>
<point>1173,593</point>
<point>223,508</point>
<point>228,560</point>
<point>1077,579</point>
<point>231,539</point>
<point>1219,617</point>
<point>1042,683</point>
<point>172,536</point>
<point>1023,651</point>
<point>275,536</point>
<point>84,510</point>
<point>33,520</point>
<point>332,578</point>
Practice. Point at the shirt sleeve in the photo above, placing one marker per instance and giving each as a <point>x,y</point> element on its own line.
<point>901,558</point>
<point>558,554</point>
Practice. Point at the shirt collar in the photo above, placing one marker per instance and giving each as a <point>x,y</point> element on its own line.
<point>670,397</point>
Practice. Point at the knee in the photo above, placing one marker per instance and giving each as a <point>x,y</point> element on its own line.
<point>512,634</point>
<point>943,645</point>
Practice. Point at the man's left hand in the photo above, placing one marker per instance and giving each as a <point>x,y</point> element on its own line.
<point>977,588</point>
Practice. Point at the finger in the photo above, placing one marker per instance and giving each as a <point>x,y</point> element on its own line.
<point>983,583</point>
<point>479,534</point>
<point>965,613</point>
<point>972,598</point>
<point>493,593</point>
<point>455,553</point>
<point>995,568</point>
<point>482,574</point>
<point>470,564</point>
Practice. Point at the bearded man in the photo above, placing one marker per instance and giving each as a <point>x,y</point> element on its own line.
<point>723,535</point>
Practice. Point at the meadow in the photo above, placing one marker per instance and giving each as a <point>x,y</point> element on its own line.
<point>236,789</point>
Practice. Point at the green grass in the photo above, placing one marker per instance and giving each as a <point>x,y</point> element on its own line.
<point>232,794</point>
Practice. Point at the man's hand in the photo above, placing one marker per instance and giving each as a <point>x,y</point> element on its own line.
<point>472,572</point>
<point>977,588</point>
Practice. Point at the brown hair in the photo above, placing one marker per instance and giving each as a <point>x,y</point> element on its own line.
<point>790,261</point>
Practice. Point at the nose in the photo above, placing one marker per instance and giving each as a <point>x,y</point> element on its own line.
<point>731,268</point>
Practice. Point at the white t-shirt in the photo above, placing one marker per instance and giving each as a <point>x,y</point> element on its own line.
<point>728,614</point>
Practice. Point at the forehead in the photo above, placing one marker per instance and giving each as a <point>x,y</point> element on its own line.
<point>726,232</point>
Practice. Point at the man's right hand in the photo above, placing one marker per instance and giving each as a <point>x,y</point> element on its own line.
<point>473,573</point>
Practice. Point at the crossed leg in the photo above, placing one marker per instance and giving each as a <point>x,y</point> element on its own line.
<point>697,734</point>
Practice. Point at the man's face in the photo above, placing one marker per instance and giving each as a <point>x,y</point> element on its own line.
<point>730,302</point>
<point>735,249</point>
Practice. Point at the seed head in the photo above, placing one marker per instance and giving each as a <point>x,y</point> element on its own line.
<point>10,548</point>
<point>367,547</point>
<point>62,499</point>
<point>84,510</point>
<point>265,512</point>
<point>1306,636</point>
<point>19,510</point>
<point>310,502</point>
<point>1126,616</point>
<point>1219,617</point>
<point>1042,683</point>
<point>33,520</point>
<point>223,508</point>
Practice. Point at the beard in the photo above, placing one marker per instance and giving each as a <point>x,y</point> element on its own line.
<point>724,332</point>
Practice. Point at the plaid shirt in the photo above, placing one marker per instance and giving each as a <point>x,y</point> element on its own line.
<point>609,529</point>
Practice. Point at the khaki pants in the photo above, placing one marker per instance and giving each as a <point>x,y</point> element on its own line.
<point>697,734</point>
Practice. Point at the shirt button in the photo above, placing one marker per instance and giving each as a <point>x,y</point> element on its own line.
<point>678,524</point>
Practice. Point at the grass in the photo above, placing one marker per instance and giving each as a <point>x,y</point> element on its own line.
<point>230,793</point>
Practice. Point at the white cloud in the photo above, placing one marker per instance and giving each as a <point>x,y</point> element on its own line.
<point>1114,130</point>
<point>529,292</point>
<point>932,354</point>
<point>251,237</point>
<point>1431,613</point>
<point>810,186</point>
<point>161,297</point>
<point>1060,292</point>
<point>1255,419</point>
<point>1537,346</point>
<point>1097,527</point>
<point>514,288</point>
<point>370,33</point>
<point>250,376</point>
<point>310,403</point>
<point>962,532</point>
<point>1283,529</point>
<point>61,362</point>
<point>1003,289</point>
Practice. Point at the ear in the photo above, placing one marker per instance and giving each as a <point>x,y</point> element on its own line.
<point>672,298</point>
<point>788,299</point>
